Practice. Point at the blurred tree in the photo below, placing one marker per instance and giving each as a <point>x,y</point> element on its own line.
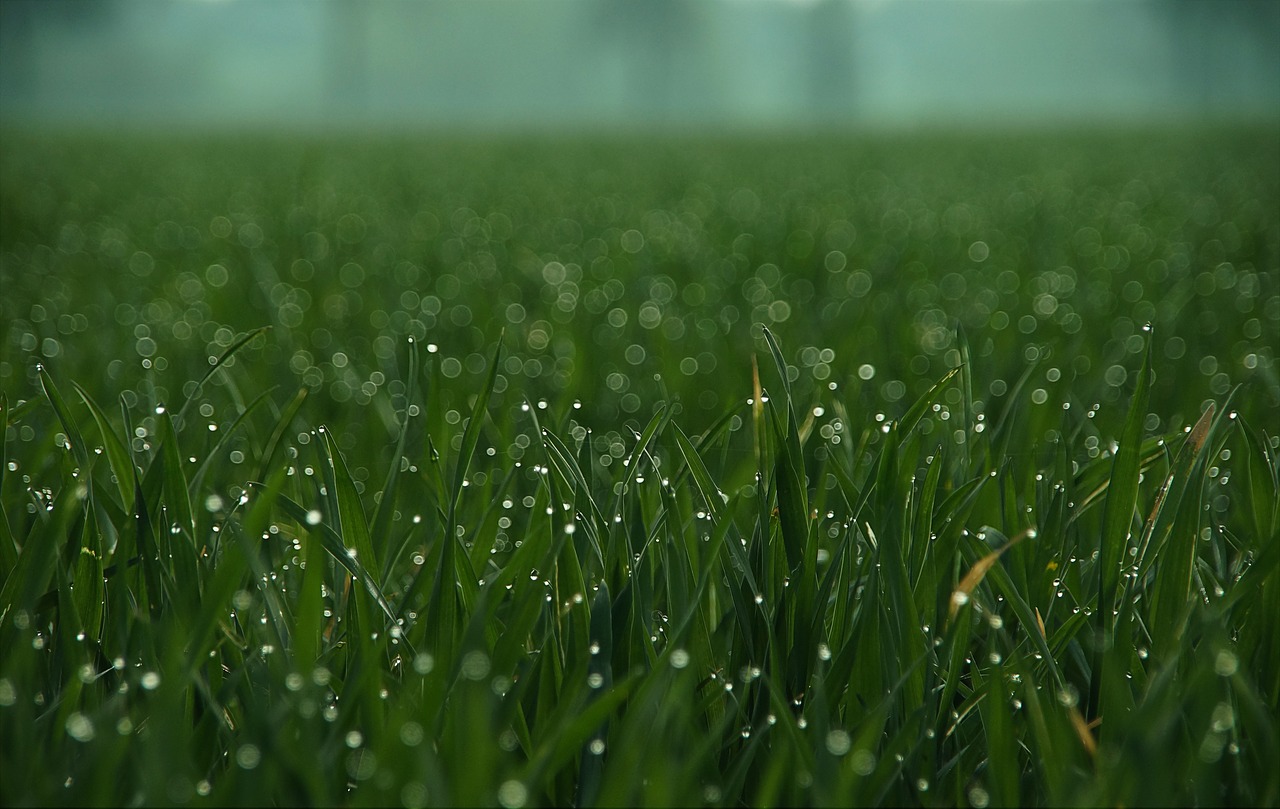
<point>1223,53</point>
<point>347,72</point>
<point>832,60</point>
<point>651,37</point>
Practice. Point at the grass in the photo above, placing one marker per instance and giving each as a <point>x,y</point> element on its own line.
<point>935,472</point>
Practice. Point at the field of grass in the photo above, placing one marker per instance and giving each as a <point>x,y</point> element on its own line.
<point>924,471</point>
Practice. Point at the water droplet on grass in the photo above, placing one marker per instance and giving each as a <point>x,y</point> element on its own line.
<point>1225,664</point>
<point>513,794</point>
<point>248,756</point>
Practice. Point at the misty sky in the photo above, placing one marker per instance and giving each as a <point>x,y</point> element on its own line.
<point>633,63</point>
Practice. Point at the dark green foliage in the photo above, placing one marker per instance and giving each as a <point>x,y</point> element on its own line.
<point>835,473</point>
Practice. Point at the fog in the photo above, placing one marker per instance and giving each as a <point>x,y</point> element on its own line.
<point>574,65</point>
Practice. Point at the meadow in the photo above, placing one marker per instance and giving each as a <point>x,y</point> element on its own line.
<point>915,470</point>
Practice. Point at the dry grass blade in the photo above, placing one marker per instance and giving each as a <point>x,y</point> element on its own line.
<point>964,590</point>
<point>1084,730</point>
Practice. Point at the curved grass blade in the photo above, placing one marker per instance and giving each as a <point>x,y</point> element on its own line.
<point>224,437</point>
<point>87,577</point>
<point>74,438</point>
<point>15,413</point>
<point>1176,561</point>
<point>274,605</point>
<point>218,363</point>
<point>1001,434</point>
<point>228,575</point>
<point>571,734</point>
<point>332,542</point>
<point>28,580</point>
<point>781,363</point>
<point>562,459</point>
<point>964,590</point>
<point>352,525</point>
<point>899,613</point>
<point>1093,477</point>
<point>282,424</point>
<point>175,482</point>
<point>711,494</point>
<point>117,454</point>
<point>1171,491</point>
<point>637,452</point>
<point>1263,470</point>
<point>1003,765</point>
<point>179,547</point>
<point>921,405</point>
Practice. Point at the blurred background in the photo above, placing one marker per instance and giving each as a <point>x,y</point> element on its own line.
<point>637,64</point>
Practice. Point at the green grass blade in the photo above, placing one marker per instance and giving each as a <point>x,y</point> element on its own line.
<point>218,363</point>
<point>148,550</point>
<point>781,365</point>
<point>1122,499</point>
<point>175,482</point>
<point>353,527</point>
<point>792,494</point>
<point>277,434</point>
<point>638,451</point>
<point>711,494</point>
<point>600,679</point>
<point>333,542</point>
<point>87,579</point>
<point>562,460</point>
<point>1003,759</point>
<point>8,549</point>
<point>113,446</point>
<point>966,395</point>
<point>380,525</point>
<point>225,436</point>
<point>177,535</point>
<point>14,413</point>
<point>78,449</point>
<point>1169,497</point>
<point>917,410</point>
<point>471,435</point>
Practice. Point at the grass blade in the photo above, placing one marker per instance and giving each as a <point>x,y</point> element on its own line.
<point>78,449</point>
<point>921,405</point>
<point>711,494</point>
<point>277,434</point>
<point>380,525</point>
<point>964,590</point>
<point>113,446</point>
<point>217,364</point>
<point>1122,499</point>
<point>353,528</point>
<point>471,435</point>
<point>332,542</point>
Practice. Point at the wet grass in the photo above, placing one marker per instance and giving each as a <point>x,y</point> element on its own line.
<point>938,472</point>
